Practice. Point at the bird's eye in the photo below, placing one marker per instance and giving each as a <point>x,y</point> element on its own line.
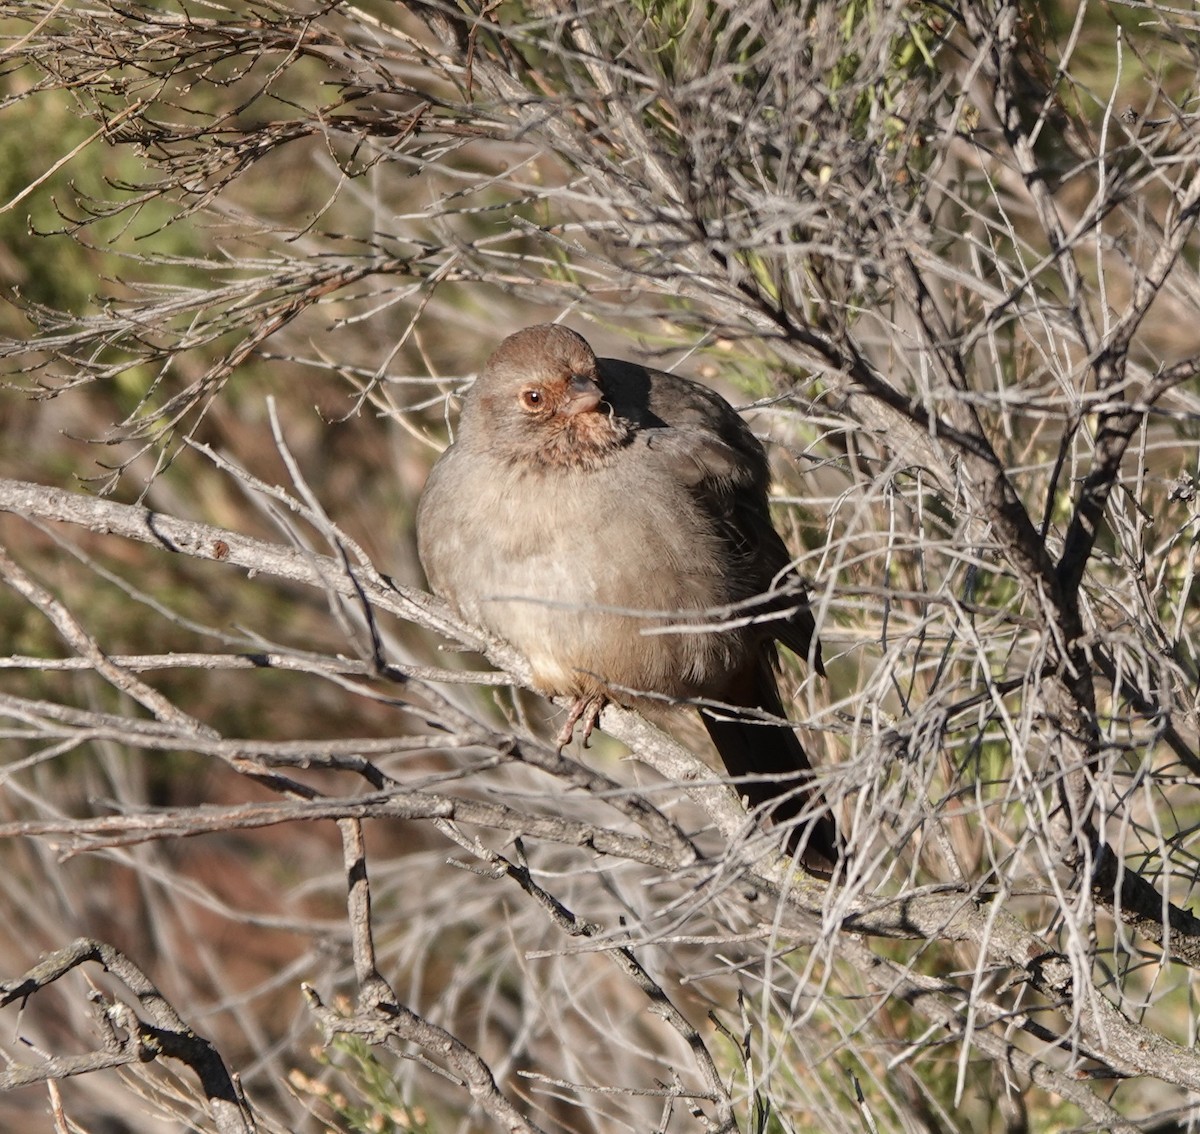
<point>531,398</point>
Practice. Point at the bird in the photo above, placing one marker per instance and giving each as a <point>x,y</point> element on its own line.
<point>611,522</point>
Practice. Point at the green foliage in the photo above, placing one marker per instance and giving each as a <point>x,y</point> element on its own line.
<point>364,1098</point>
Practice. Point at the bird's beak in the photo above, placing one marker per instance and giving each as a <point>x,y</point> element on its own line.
<point>583,395</point>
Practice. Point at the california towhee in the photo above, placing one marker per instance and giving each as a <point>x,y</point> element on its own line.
<point>610,521</point>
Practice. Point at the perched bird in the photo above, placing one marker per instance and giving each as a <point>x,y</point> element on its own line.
<point>610,522</point>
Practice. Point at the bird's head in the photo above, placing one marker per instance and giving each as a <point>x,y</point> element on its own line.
<point>540,399</point>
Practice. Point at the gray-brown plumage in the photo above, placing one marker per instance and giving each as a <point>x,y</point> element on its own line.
<point>603,518</point>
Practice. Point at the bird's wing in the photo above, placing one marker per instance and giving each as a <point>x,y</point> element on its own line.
<point>703,443</point>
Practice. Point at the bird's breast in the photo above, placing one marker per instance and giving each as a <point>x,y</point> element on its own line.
<point>596,576</point>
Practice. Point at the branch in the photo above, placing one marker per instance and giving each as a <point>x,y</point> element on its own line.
<point>187,822</point>
<point>165,1035</point>
<point>219,545</point>
<point>625,960</point>
<point>391,1021</point>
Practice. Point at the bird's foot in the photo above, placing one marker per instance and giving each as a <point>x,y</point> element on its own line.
<point>585,709</point>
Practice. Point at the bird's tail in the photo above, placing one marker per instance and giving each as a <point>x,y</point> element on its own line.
<point>779,775</point>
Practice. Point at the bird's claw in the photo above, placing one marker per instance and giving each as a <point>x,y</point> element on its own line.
<point>585,709</point>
